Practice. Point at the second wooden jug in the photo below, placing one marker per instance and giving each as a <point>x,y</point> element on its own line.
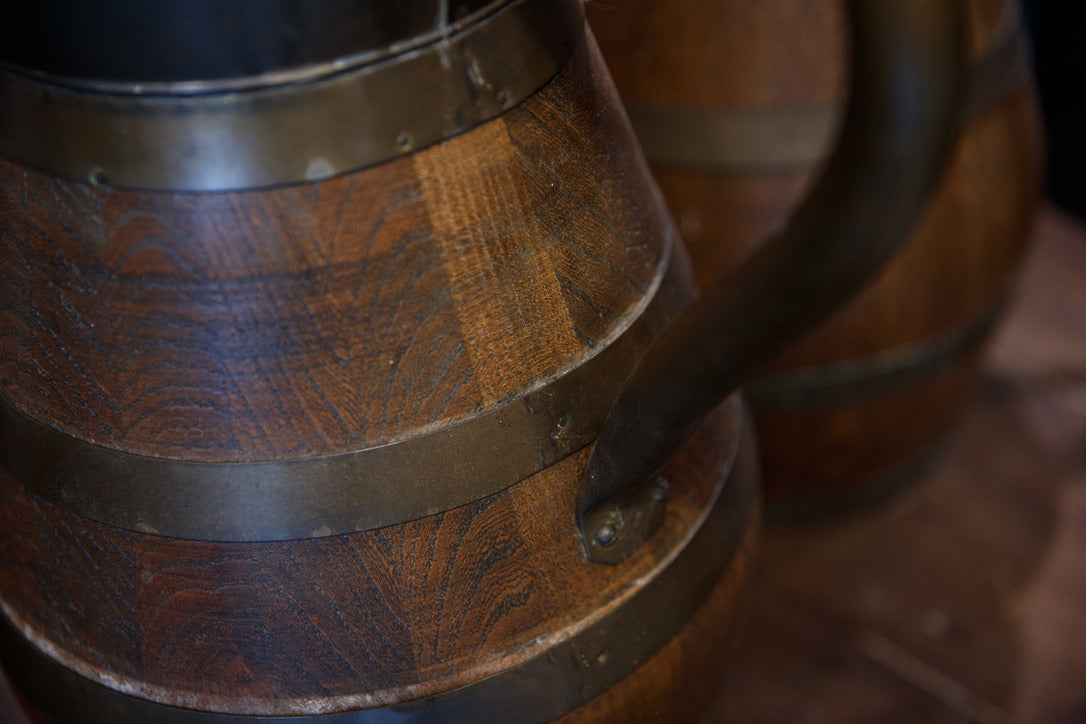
<point>312,312</point>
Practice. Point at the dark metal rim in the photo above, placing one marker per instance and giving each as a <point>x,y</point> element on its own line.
<point>291,132</point>
<point>794,137</point>
<point>560,679</point>
<point>842,383</point>
<point>351,491</point>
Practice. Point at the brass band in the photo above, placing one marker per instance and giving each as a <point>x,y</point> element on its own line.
<point>293,131</point>
<point>357,490</point>
<point>787,137</point>
<point>841,383</point>
<point>542,688</point>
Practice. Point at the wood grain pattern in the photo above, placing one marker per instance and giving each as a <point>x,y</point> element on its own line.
<point>325,317</point>
<point>367,618</point>
<point>961,257</point>
<point>303,320</point>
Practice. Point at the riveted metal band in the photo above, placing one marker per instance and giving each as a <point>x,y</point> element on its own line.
<point>542,688</point>
<point>789,137</point>
<point>358,490</point>
<point>333,120</point>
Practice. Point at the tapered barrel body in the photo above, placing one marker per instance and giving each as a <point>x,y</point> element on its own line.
<point>303,346</point>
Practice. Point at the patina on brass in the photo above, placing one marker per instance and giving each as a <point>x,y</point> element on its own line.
<point>288,126</point>
<point>897,131</point>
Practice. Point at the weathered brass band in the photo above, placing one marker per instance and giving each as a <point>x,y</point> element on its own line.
<point>544,687</point>
<point>291,132</point>
<point>784,137</point>
<point>357,490</point>
<point>841,383</point>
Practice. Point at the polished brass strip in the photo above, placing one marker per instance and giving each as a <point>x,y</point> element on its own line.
<point>710,139</point>
<point>292,132</point>
<point>842,383</point>
<point>357,490</point>
<point>561,679</point>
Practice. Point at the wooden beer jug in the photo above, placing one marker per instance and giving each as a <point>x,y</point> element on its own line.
<point>734,103</point>
<point>348,372</point>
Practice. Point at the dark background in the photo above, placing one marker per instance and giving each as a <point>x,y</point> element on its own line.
<point>1058,29</point>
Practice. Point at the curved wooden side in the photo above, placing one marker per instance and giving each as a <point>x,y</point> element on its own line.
<point>319,318</point>
<point>310,319</point>
<point>360,621</point>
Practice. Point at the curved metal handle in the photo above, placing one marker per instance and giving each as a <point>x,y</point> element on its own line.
<point>898,126</point>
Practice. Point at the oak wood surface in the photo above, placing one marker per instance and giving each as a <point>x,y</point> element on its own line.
<point>325,317</point>
<point>303,320</point>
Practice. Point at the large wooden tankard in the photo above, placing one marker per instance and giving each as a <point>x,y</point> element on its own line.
<point>348,369</point>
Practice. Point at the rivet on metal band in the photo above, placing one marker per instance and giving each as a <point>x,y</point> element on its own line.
<point>789,137</point>
<point>291,132</point>
<point>558,680</point>
<point>357,490</point>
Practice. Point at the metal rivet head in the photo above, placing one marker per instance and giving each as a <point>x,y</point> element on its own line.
<point>403,142</point>
<point>606,534</point>
<point>502,98</point>
<point>661,488</point>
<point>319,168</point>
<point>99,178</point>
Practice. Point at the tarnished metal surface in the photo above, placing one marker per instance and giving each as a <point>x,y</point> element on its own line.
<point>782,137</point>
<point>616,530</point>
<point>286,131</point>
<point>351,491</point>
<point>566,676</point>
<point>897,131</point>
<point>840,383</point>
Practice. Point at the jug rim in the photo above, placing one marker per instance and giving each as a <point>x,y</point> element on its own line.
<point>306,124</point>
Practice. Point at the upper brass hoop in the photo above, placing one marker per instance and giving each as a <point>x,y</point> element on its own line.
<point>786,137</point>
<point>291,131</point>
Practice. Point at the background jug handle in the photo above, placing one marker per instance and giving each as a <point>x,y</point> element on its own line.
<point>907,70</point>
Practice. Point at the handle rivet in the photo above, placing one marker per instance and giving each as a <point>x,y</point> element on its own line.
<point>606,534</point>
<point>661,488</point>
